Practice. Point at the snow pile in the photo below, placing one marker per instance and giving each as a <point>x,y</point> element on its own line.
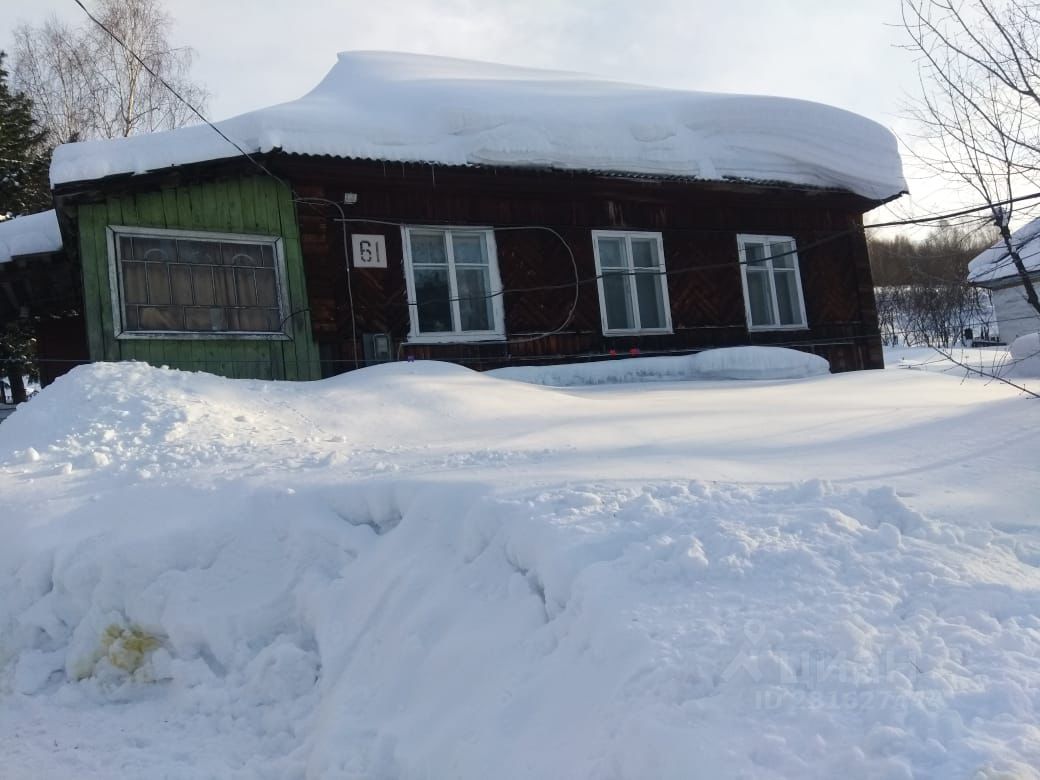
<point>762,363</point>
<point>995,264</point>
<point>1025,357</point>
<point>250,579</point>
<point>757,363</point>
<point>655,368</point>
<point>29,234</point>
<point>416,108</point>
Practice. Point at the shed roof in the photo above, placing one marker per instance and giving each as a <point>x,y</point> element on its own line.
<point>31,234</point>
<point>416,108</point>
<point>994,265</point>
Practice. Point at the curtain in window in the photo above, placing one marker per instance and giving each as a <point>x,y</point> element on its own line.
<point>197,285</point>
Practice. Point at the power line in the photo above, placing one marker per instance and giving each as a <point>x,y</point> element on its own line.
<point>954,214</point>
<point>177,94</point>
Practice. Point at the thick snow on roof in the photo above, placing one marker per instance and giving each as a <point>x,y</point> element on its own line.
<point>995,263</point>
<point>28,235</point>
<point>415,108</point>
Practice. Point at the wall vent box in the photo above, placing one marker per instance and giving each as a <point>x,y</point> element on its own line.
<point>377,347</point>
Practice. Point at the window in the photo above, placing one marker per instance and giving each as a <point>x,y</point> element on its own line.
<point>180,284</point>
<point>453,284</point>
<point>772,283</point>
<point>633,289</point>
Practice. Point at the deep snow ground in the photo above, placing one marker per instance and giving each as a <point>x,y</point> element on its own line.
<point>420,572</point>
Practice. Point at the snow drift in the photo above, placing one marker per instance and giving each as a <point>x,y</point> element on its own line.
<point>246,579</point>
<point>1024,358</point>
<point>761,363</point>
<point>416,108</point>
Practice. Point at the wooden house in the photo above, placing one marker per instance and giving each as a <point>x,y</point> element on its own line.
<point>418,207</point>
<point>40,285</point>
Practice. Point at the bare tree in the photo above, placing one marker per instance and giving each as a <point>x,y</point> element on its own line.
<point>979,109</point>
<point>84,85</point>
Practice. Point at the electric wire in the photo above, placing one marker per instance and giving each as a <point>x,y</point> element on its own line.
<point>123,45</point>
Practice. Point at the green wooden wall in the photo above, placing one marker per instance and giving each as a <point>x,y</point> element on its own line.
<point>257,205</point>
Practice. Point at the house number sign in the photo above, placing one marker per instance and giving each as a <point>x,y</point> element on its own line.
<point>369,251</point>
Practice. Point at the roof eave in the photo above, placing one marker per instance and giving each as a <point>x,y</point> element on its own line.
<point>65,192</point>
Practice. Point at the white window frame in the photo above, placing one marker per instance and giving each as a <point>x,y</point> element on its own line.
<point>115,279</point>
<point>628,235</point>
<point>498,332</point>
<point>756,238</point>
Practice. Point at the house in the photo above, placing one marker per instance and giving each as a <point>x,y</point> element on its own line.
<point>38,283</point>
<point>424,207</point>
<point>994,270</point>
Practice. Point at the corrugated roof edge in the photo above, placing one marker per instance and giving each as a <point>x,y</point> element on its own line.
<point>65,188</point>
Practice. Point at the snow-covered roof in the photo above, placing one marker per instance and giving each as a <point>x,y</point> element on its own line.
<point>29,234</point>
<point>416,108</point>
<point>995,264</point>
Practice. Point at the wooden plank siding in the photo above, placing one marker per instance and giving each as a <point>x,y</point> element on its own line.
<point>699,222</point>
<point>249,204</point>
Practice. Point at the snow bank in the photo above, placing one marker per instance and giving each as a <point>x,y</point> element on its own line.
<point>29,234</point>
<point>995,263</point>
<point>1025,357</point>
<point>757,363</point>
<point>761,363</point>
<point>204,577</point>
<point>654,368</point>
<point>408,630</point>
<point>415,108</point>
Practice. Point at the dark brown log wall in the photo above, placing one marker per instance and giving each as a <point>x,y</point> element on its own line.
<point>61,345</point>
<point>45,290</point>
<point>699,222</point>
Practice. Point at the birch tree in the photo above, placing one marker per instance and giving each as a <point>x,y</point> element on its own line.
<point>84,85</point>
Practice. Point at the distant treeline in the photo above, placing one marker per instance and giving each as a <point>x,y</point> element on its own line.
<point>942,256</point>
<point>921,287</point>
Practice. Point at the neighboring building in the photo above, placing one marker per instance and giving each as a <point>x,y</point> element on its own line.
<point>994,270</point>
<point>424,207</point>
<point>39,283</point>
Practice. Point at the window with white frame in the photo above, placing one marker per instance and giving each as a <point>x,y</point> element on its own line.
<point>453,284</point>
<point>176,283</point>
<point>772,282</point>
<point>633,288</point>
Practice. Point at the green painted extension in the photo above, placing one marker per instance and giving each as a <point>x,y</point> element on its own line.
<point>255,205</point>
